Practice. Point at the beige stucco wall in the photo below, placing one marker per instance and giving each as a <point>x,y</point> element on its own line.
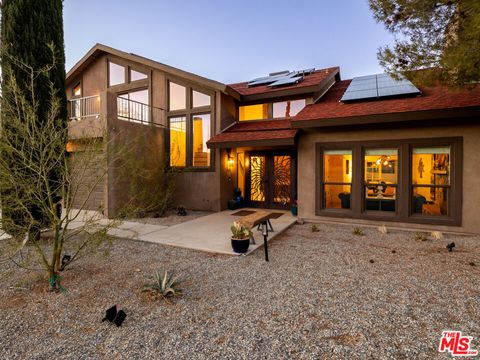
<point>307,185</point>
<point>93,78</point>
<point>201,190</point>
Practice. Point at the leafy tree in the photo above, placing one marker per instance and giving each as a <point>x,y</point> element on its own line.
<point>439,37</point>
<point>30,31</point>
<point>26,187</point>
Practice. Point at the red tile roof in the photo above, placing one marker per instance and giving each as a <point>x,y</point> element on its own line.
<point>315,78</point>
<point>432,98</point>
<point>255,132</point>
<point>329,108</point>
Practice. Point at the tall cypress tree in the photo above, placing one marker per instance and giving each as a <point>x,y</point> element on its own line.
<point>30,29</point>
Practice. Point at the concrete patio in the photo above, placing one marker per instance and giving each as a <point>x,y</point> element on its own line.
<point>209,233</point>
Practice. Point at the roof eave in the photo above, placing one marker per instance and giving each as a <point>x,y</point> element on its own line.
<point>315,89</point>
<point>100,48</point>
<point>453,113</point>
<point>264,142</point>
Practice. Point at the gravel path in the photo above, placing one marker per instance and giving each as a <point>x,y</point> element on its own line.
<point>324,295</point>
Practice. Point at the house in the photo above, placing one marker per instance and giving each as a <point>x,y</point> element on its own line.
<point>367,150</point>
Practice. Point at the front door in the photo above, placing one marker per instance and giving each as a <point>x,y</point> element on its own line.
<point>271,180</point>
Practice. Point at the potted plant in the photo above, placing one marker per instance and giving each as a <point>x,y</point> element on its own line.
<point>294,208</point>
<point>240,237</point>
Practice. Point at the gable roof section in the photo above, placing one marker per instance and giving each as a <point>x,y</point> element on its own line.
<point>255,133</point>
<point>99,49</point>
<point>313,82</point>
<point>435,102</point>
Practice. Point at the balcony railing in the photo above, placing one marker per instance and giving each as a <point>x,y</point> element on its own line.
<point>85,107</point>
<point>138,112</point>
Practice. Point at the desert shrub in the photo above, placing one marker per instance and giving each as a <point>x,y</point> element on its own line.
<point>165,285</point>
<point>357,231</point>
<point>437,235</point>
<point>383,229</point>
<point>420,237</point>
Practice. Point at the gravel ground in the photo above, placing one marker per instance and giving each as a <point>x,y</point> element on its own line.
<point>171,218</point>
<point>323,295</point>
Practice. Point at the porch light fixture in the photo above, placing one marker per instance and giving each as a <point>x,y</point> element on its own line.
<point>230,161</point>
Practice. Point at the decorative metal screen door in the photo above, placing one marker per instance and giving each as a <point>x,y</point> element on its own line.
<point>258,180</point>
<point>282,181</point>
<point>270,180</point>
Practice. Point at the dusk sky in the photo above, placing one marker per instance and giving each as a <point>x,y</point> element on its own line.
<point>231,41</point>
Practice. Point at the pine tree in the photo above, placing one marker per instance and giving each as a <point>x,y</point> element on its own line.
<point>440,37</point>
<point>32,36</point>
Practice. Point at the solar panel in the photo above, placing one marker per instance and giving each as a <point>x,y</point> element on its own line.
<point>265,80</point>
<point>286,81</point>
<point>378,86</point>
<point>281,78</point>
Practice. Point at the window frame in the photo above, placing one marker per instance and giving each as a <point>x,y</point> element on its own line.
<point>283,101</point>
<point>398,186</point>
<point>167,143</point>
<point>128,92</point>
<point>199,108</point>
<point>308,100</point>
<point>78,83</point>
<point>404,204</point>
<point>138,70</point>
<point>320,170</point>
<point>192,115</point>
<point>269,106</point>
<point>128,84</point>
<point>189,112</point>
<point>125,73</point>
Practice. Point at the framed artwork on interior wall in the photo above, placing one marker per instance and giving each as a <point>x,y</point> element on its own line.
<point>389,168</point>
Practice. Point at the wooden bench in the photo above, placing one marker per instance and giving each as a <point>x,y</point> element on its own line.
<point>257,219</point>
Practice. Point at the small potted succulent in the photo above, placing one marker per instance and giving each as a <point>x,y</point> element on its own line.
<point>294,207</point>
<point>240,237</point>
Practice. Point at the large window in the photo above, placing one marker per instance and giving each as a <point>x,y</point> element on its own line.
<point>253,112</point>
<point>77,90</point>
<point>190,121</point>
<point>137,75</point>
<point>116,74</point>
<point>133,106</point>
<point>178,141</point>
<point>411,180</point>
<point>337,179</point>
<point>201,134</point>
<point>286,109</point>
<point>381,179</point>
<point>430,180</point>
<point>200,99</point>
<point>177,97</point>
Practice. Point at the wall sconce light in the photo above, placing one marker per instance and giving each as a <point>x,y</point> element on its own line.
<point>230,161</point>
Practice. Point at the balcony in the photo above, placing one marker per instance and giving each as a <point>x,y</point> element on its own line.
<point>137,112</point>
<point>83,108</point>
<point>90,115</point>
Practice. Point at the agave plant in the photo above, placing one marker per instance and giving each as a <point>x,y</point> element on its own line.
<point>165,284</point>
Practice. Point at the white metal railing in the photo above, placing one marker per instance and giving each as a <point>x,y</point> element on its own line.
<point>84,107</point>
<point>138,112</point>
